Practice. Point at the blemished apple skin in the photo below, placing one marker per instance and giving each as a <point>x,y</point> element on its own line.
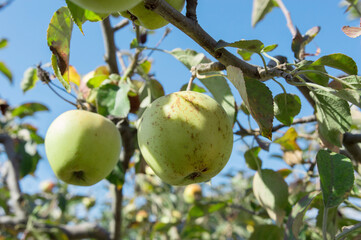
<point>185,137</point>
<point>82,147</point>
<point>106,6</point>
<point>149,19</point>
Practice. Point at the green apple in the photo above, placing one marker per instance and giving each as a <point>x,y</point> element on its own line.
<point>106,6</point>
<point>82,147</point>
<point>88,202</point>
<point>141,216</point>
<point>192,193</point>
<point>47,186</point>
<point>185,137</point>
<point>149,19</point>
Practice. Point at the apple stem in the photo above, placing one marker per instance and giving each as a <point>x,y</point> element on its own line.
<point>189,87</point>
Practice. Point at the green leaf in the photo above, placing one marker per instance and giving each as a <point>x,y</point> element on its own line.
<point>58,38</point>
<point>192,231</point>
<point>350,95</point>
<point>316,77</point>
<point>269,48</point>
<point>188,57</point>
<point>245,54</point>
<point>57,72</point>
<point>254,46</point>
<point>295,220</point>
<point>113,100</point>
<point>29,79</point>
<point>28,109</point>
<point>6,72</point>
<point>353,80</point>
<point>122,103</point>
<point>257,97</point>
<point>286,107</point>
<point>96,81</point>
<point>28,161</point>
<point>288,140</point>
<point>3,42</point>
<point>260,9</point>
<point>336,177</point>
<point>267,232</point>
<point>299,42</point>
<point>271,191</point>
<point>217,86</point>
<point>338,61</point>
<point>216,207</point>
<point>117,176</point>
<point>194,88</point>
<point>333,116</point>
<point>252,159</point>
<point>197,211</point>
<point>81,15</point>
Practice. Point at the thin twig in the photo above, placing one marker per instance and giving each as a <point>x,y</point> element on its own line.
<point>120,25</point>
<point>287,15</point>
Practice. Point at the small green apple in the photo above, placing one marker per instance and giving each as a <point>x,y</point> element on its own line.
<point>88,202</point>
<point>185,137</point>
<point>192,193</point>
<point>106,6</point>
<point>47,186</point>
<point>82,147</point>
<point>141,216</point>
<point>149,19</point>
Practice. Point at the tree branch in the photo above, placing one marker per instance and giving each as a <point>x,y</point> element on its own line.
<point>12,178</point>
<point>192,9</point>
<point>287,15</point>
<point>85,230</point>
<point>110,56</point>
<point>246,132</point>
<point>197,33</point>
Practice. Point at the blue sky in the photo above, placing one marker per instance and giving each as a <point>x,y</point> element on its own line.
<point>24,24</point>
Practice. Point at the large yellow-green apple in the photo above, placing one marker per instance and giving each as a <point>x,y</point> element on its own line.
<point>82,147</point>
<point>185,137</point>
<point>149,19</point>
<point>106,6</point>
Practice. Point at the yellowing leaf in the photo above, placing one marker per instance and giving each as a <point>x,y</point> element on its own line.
<point>71,75</point>
<point>288,140</point>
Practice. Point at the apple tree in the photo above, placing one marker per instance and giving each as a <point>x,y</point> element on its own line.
<point>259,203</point>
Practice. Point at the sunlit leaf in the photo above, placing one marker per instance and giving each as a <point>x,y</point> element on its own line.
<point>71,75</point>
<point>338,61</point>
<point>260,9</point>
<point>58,74</point>
<point>288,140</point>
<point>29,79</point>
<point>3,42</point>
<point>6,72</point>
<point>28,109</point>
<point>81,15</point>
<point>58,38</point>
<point>271,191</point>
